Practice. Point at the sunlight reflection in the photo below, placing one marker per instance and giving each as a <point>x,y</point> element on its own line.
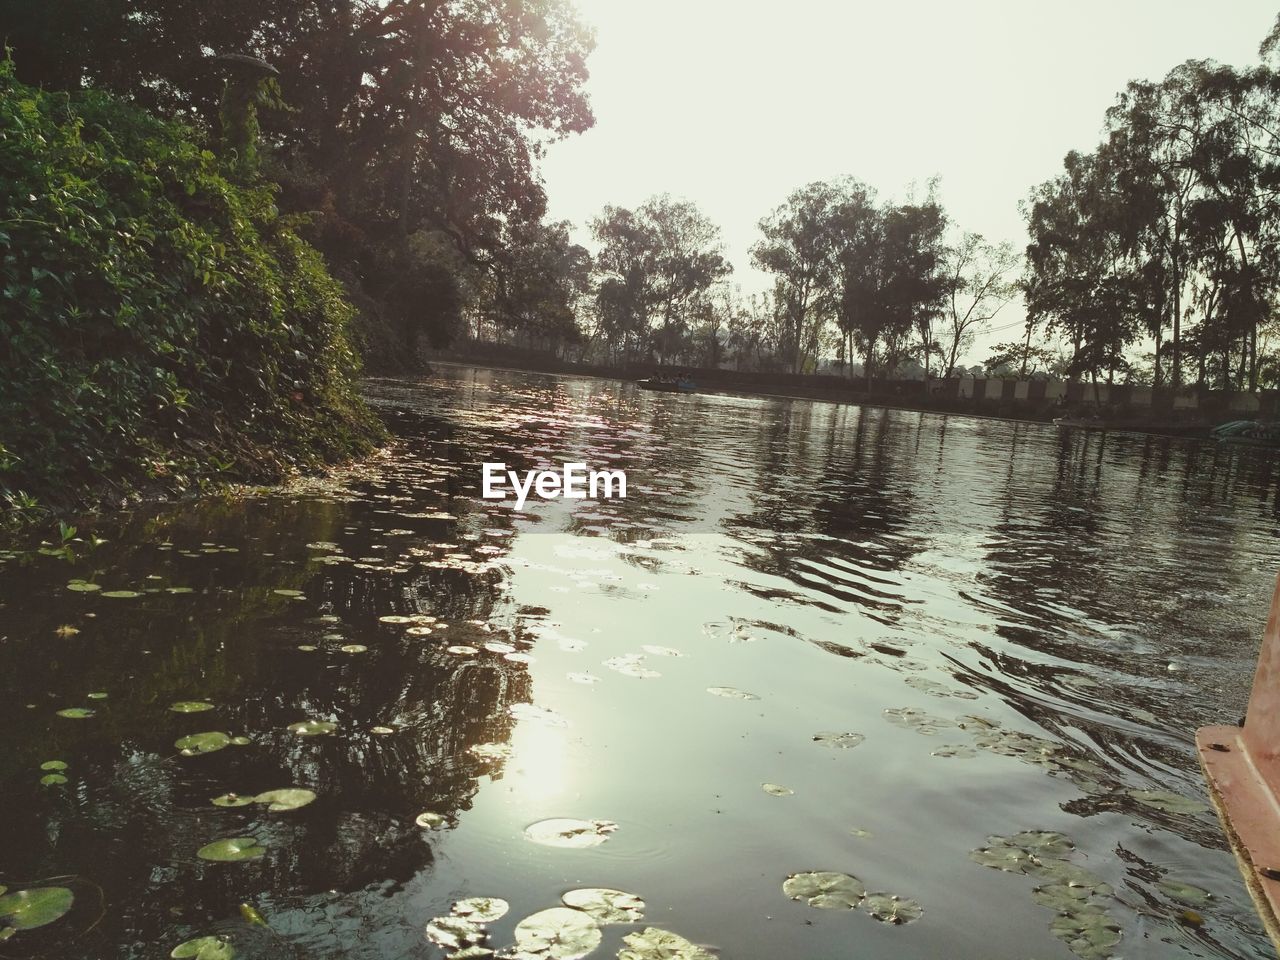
<point>539,764</point>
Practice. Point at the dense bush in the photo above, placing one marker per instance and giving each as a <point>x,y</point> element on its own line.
<point>159,323</point>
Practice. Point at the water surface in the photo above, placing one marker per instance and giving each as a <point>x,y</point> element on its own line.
<point>1057,610</point>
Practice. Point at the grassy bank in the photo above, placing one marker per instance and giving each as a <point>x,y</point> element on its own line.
<point>162,328</point>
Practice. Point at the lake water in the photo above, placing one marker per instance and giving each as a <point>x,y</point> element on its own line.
<point>951,630</point>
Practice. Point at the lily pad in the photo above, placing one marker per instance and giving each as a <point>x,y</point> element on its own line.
<point>917,720</point>
<point>290,798</point>
<point>825,889</point>
<point>36,907</point>
<point>490,751</point>
<point>80,586</point>
<point>1186,892</point>
<point>231,800</point>
<point>204,948</point>
<point>563,832</point>
<point>461,650</point>
<point>313,728</point>
<point>231,850</point>
<point>838,741</point>
<point>961,750</point>
<point>288,593</point>
<point>892,909</point>
<point>96,695</point>
<point>558,933</point>
<point>776,790</point>
<point>353,648</point>
<point>52,780</point>
<point>76,713</point>
<point>1167,802</point>
<point>51,765</point>
<point>653,943</point>
<point>120,594</point>
<point>732,693</point>
<point>1089,934</point>
<point>198,743</point>
<point>429,820</point>
<point>382,731</point>
<point>606,905</point>
<point>481,909</point>
<point>190,706</point>
<point>452,932</point>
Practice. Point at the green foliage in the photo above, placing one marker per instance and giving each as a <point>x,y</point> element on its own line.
<point>157,322</point>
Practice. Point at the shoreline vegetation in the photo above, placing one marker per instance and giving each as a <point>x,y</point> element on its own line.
<point>1158,416</point>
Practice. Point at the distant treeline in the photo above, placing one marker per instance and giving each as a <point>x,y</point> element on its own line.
<point>406,135</point>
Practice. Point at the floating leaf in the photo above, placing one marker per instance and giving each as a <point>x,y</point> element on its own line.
<point>429,820</point>
<point>461,650</point>
<point>917,720</point>
<point>240,741</point>
<point>382,731</point>
<point>288,593</point>
<point>1089,934</point>
<point>97,695</point>
<point>452,932</point>
<point>231,800</point>
<point>36,907</point>
<point>120,594</point>
<point>313,728</point>
<point>1186,892</point>
<point>490,751</point>
<point>962,750</point>
<point>395,618</point>
<point>558,933</point>
<point>1167,802</point>
<point>232,849</point>
<point>75,713</point>
<point>353,648</point>
<point>732,693</point>
<point>652,943</point>
<point>51,765</point>
<point>563,832</point>
<point>606,905</point>
<point>52,780</point>
<point>190,706</point>
<point>776,789</point>
<point>80,586</point>
<point>204,948</point>
<point>892,909</point>
<point>1061,897</point>
<point>838,741</point>
<point>631,665</point>
<point>825,889</point>
<point>481,909</point>
<point>290,798</point>
<point>198,743</point>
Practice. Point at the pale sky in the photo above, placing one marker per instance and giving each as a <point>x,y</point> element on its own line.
<point>735,103</point>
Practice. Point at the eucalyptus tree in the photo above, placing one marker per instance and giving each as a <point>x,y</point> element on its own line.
<point>799,244</point>
<point>890,284</point>
<point>656,267</point>
<point>979,284</point>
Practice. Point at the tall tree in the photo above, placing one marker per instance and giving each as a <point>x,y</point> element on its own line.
<point>979,285</point>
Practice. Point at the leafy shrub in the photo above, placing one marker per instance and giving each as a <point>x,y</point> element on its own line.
<point>159,324</point>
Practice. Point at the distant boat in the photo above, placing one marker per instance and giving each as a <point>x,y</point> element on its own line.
<point>670,386</point>
<point>1248,432</point>
<point>1082,423</point>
